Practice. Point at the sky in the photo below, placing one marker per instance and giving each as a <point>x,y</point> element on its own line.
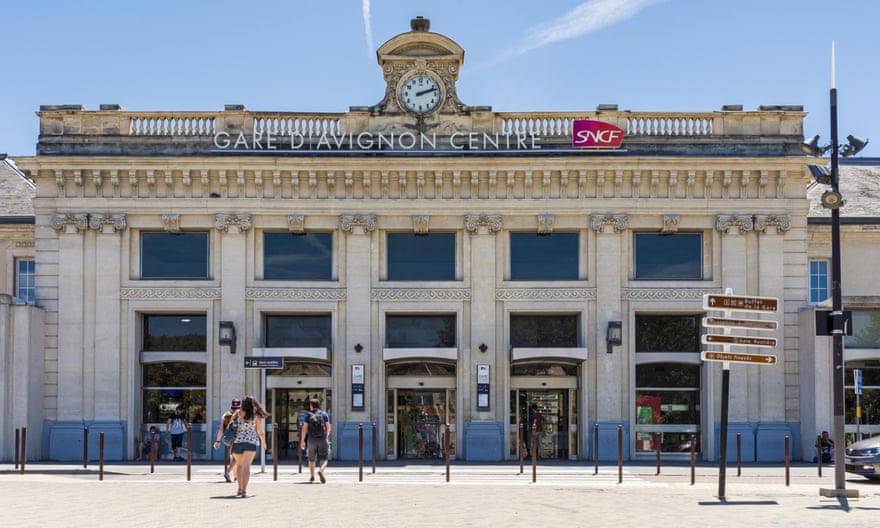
<point>520,56</point>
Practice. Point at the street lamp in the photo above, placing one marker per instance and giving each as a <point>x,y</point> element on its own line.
<point>833,200</point>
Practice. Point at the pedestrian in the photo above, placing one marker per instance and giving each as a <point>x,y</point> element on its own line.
<point>145,446</point>
<point>176,426</point>
<point>248,436</point>
<point>224,423</point>
<point>316,434</point>
<point>537,423</point>
<point>826,444</point>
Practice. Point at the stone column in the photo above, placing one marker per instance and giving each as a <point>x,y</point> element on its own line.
<point>231,249</point>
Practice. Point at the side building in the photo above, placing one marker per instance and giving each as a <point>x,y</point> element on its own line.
<point>426,267</point>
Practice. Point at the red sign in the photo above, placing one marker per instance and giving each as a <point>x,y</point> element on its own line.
<point>589,133</point>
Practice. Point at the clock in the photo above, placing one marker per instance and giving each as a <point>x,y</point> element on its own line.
<point>420,94</point>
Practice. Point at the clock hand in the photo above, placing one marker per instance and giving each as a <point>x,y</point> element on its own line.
<point>423,92</point>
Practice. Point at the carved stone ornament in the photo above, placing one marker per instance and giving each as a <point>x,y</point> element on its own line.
<point>781,222</point>
<point>79,221</point>
<point>420,224</point>
<point>619,222</point>
<point>225,221</point>
<point>107,222</point>
<point>296,223</point>
<point>492,222</point>
<point>670,223</point>
<point>744,223</point>
<point>349,222</point>
<point>171,222</point>
<point>545,224</point>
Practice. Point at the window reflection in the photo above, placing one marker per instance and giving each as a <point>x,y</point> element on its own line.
<point>297,257</point>
<point>174,255</point>
<point>675,256</point>
<point>420,331</point>
<point>543,257</point>
<point>299,331</point>
<point>421,257</point>
<point>544,331</point>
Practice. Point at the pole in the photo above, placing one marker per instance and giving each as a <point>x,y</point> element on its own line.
<point>725,397</point>
<point>101,456</point>
<point>534,453</point>
<point>787,461</point>
<point>154,452</point>
<point>519,447</point>
<point>360,452</point>
<point>620,454</point>
<point>274,450</point>
<point>656,438</point>
<point>693,459</point>
<point>375,448</point>
<point>739,465</point>
<point>819,453</point>
<point>85,447</point>
<point>446,451</point>
<point>18,446</point>
<point>596,449</point>
<point>23,456</point>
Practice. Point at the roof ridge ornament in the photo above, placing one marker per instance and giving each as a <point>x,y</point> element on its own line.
<point>420,23</point>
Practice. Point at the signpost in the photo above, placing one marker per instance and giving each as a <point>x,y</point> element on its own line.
<point>727,304</point>
<point>857,378</point>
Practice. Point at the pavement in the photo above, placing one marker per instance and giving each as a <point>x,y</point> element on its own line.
<point>404,495</point>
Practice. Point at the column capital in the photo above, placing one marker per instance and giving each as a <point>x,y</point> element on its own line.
<point>490,223</point>
<point>107,222</point>
<point>366,223</point>
<point>232,223</point>
<point>618,222</point>
<point>70,222</point>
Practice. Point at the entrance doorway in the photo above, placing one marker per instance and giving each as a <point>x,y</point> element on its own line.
<point>556,436</point>
<point>288,408</point>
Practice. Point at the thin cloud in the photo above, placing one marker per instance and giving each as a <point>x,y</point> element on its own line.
<point>586,18</point>
<point>368,28</point>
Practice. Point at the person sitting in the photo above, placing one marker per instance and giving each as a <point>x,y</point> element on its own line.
<point>826,445</point>
<point>145,446</point>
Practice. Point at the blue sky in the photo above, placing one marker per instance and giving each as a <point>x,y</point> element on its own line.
<point>555,55</point>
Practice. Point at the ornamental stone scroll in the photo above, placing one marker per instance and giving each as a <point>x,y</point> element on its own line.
<point>617,222</point>
<point>670,223</point>
<point>296,223</point>
<point>232,223</point>
<point>107,222</point>
<point>545,224</point>
<point>487,223</point>
<point>420,224</point>
<point>734,224</point>
<point>70,222</point>
<point>764,223</point>
<point>364,223</point>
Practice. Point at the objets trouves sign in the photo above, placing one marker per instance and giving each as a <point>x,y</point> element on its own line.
<point>586,134</point>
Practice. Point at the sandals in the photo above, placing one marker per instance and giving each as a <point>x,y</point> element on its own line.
<point>242,494</point>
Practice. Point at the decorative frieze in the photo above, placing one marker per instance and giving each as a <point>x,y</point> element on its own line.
<point>232,223</point>
<point>366,222</point>
<point>491,223</point>
<point>420,294</point>
<point>107,222</point>
<point>296,294</point>
<point>544,294</point>
<point>70,222</point>
<point>170,293</point>
<point>618,222</point>
<point>666,294</point>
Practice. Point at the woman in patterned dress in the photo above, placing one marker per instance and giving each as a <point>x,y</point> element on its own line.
<point>248,437</point>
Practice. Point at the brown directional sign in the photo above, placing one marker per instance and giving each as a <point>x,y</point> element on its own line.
<point>762,342</point>
<point>726,322</point>
<point>741,304</point>
<point>733,357</point>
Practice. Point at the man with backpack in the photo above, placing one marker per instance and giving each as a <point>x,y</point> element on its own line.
<point>316,431</point>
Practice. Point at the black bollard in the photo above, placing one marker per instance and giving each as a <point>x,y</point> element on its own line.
<point>85,447</point>
<point>446,451</point>
<point>596,449</point>
<point>17,445</point>
<point>819,453</point>
<point>620,454</point>
<point>739,465</point>
<point>787,461</point>
<point>657,447</point>
<point>534,453</point>
<point>375,434</point>
<point>101,456</point>
<point>519,447</point>
<point>189,451</point>
<point>154,452</point>
<point>360,452</point>
<point>274,451</point>
<point>23,457</point>
<point>693,460</point>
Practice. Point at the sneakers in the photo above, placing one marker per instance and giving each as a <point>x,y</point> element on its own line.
<point>321,476</point>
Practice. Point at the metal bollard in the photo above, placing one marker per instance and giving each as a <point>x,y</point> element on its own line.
<point>375,435</point>
<point>693,460</point>
<point>275,450</point>
<point>819,453</point>
<point>739,454</point>
<point>787,461</point>
<point>299,452</point>
<point>446,451</point>
<point>154,452</point>
<point>519,447</point>
<point>189,451</point>
<point>620,454</point>
<point>101,456</point>
<point>656,439</point>
<point>17,445</point>
<point>85,447</point>
<point>360,452</point>
<point>534,454</point>
<point>23,457</point>
<point>596,449</point>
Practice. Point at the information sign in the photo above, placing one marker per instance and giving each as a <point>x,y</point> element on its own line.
<point>733,357</point>
<point>726,322</point>
<point>762,342</point>
<point>740,304</point>
<point>267,362</point>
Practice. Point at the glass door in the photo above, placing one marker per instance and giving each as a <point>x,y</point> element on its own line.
<point>548,413</point>
<point>289,407</point>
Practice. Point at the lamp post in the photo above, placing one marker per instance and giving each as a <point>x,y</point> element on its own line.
<point>832,199</point>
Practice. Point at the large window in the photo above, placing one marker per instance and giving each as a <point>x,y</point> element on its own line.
<point>175,333</point>
<point>865,330</point>
<point>414,257</point>
<point>818,281</point>
<point>298,257</point>
<point>174,255</point>
<point>869,400</point>
<point>544,331</point>
<point>420,331</point>
<point>24,280</point>
<point>544,257</point>
<point>299,331</point>
<point>668,383</point>
<point>668,256</point>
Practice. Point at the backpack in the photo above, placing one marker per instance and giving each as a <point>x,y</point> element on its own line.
<point>316,425</point>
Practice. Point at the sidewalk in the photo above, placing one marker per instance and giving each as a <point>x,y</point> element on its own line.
<point>418,495</point>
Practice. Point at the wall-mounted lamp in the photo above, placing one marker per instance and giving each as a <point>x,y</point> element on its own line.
<point>483,348</point>
<point>358,348</point>
<point>227,335</point>
<point>614,337</point>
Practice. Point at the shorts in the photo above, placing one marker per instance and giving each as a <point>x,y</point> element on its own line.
<point>240,447</point>
<point>176,440</point>
<point>318,449</point>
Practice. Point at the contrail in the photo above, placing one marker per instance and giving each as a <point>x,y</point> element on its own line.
<point>368,29</point>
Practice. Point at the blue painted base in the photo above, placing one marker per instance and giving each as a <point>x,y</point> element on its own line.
<point>608,440</point>
<point>66,440</point>
<point>770,440</point>
<point>346,447</point>
<point>483,441</point>
<point>746,431</point>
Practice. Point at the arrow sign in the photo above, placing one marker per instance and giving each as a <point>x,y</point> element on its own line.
<point>761,359</point>
<point>762,342</point>
<point>725,322</point>
<point>741,304</point>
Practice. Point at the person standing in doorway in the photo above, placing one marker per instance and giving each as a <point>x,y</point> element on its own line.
<point>316,434</point>
<point>536,419</point>
<point>248,437</point>
<point>176,427</point>
<point>224,423</point>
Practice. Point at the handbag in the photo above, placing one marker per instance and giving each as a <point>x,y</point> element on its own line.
<point>229,433</point>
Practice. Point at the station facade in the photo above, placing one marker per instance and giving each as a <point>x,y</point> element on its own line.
<point>434,270</point>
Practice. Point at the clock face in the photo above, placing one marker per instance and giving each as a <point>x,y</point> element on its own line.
<point>420,94</point>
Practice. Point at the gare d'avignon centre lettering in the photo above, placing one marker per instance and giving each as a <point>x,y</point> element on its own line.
<point>586,133</point>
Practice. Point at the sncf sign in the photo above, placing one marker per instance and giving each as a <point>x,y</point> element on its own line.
<point>588,133</point>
